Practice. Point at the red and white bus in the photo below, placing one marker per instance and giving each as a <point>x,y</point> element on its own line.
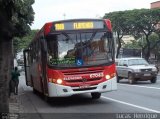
<point>72,57</point>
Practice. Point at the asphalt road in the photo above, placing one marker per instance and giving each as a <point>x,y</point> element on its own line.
<point>142,97</point>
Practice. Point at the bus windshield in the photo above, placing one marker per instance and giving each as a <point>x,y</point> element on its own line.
<point>79,49</point>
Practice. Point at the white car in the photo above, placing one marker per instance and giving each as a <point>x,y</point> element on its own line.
<point>135,69</point>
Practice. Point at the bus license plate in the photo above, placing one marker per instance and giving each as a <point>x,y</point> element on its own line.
<point>84,86</point>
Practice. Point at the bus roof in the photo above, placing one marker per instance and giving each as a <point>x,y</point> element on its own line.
<point>77,24</point>
<point>68,20</point>
<point>72,24</point>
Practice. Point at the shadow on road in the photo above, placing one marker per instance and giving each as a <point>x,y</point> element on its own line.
<point>74,100</point>
<point>125,81</point>
<point>81,99</point>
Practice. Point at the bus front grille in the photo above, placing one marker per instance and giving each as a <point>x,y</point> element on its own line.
<point>81,80</point>
<point>82,71</point>
<point>84,89</point>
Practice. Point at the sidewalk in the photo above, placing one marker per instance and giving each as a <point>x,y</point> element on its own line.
<point>20,106</point>
<point>15,105</point>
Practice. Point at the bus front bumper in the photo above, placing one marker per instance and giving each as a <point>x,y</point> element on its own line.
<point>55,90</point>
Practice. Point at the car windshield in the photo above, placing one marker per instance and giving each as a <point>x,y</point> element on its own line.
<point>137,62</point>
<point>79,49</point>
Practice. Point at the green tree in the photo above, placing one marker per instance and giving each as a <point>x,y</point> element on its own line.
<point>16,17</point>
<point>133,45</point>
<point>120,27</point>
<point>142,23</point>
<point>138,22</point>
<point>21,43</point>
<point>155,42</point>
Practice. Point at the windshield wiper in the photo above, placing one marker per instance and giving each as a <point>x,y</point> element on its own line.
<point>89,41</point>
<point>67,36</point>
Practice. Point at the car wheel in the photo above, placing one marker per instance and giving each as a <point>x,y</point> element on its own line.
<point>96,95</point>
<point>153,80</point>
<point>131,78</point>
<point>118,78</point>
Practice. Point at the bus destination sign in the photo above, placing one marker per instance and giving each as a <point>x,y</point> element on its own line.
<point>79,25</point>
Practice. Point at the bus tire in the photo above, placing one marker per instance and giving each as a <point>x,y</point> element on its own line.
<point>34,91</point>
<point>47,99</point>
<point>96,95</point>
<point>42,87</point>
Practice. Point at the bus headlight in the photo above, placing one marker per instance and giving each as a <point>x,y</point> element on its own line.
<point>59,81</point>
<point>108,77</point>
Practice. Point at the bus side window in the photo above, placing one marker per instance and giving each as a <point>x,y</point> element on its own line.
<point>37,50</point>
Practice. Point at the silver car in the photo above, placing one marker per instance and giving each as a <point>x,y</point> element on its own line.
<point>135,69</point>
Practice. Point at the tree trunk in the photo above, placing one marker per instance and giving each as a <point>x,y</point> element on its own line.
<point>148,49</point>
<point>118,48</point>
<point>119,43</point>
<point>5,71</point>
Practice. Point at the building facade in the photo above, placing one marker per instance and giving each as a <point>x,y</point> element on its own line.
<point>155,4</point>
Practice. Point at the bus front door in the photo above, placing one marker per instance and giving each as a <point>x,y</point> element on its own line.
<point>26,54</point>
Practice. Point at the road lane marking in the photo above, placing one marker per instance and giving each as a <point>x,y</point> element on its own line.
<point>141,86</point>
<point>133,105</point>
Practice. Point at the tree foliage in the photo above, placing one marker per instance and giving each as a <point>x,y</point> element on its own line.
<point>119,24</point>
<point>133,45</point>
<point>16,17</point>
<point>21,43</point>
<point>143,22</point>
<point>138,22</point>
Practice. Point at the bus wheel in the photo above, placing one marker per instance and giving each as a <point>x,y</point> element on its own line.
<point>47,99</point>
<point>34,91</point>
<point>96,95</point>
